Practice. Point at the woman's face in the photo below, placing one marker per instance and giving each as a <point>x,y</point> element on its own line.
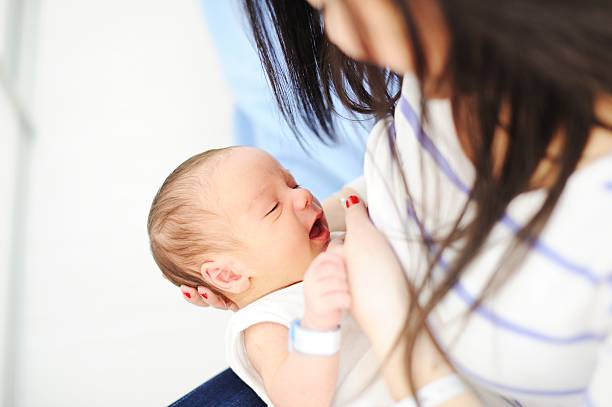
<point>374,31</point>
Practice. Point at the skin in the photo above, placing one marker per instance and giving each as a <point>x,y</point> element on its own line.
<point>373,31</point>
<point>271,217</point>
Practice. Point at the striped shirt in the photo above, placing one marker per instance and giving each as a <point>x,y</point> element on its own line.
<point>543,338</point>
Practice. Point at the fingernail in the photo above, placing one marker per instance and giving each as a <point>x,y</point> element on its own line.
<point>351,200</point>
<point>187,295</point>
<point>204,295</point>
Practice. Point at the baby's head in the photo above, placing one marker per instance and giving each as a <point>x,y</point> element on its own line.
<point>236,221</point>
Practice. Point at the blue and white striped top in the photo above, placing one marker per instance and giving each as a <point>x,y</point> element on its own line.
<point>545,337</point>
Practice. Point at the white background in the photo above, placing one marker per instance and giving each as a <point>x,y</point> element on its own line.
<point>123,92</point>
<point>8,152</point>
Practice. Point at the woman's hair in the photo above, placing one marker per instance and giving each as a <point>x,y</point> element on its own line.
<point>310,74</point>
<point>542,63</point>
<point>182,228</point>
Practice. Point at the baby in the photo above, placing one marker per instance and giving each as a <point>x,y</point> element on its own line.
<point>236,221</point>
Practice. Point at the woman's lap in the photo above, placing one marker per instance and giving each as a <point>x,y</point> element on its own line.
<point>224,390</point>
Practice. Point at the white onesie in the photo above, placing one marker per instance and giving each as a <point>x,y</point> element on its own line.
<point>357,362</point>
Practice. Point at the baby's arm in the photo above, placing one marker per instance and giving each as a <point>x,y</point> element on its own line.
<point>293,378</point>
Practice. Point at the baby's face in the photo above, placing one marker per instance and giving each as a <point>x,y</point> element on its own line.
<point>281,225</point>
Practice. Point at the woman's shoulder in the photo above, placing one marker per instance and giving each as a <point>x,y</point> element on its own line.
<point>586,201</point>
<point>586,204</point>
<point>577,234</point>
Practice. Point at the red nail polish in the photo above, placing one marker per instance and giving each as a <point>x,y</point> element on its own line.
<point>352,200</point>
<point>187,295</point>
<point>204,295</point>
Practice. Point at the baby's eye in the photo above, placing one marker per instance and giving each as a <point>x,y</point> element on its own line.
<point>296,186</point>
<point>273,209</point>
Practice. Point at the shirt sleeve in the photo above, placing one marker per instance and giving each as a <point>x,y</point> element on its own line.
<point>600,388</point>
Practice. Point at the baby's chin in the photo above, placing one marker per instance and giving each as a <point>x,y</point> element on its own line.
<point>320,248</point>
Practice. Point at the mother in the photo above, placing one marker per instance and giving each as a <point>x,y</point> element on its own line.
<point>493,183</point>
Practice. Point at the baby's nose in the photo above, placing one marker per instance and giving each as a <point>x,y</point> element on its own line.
<point>303,198</point>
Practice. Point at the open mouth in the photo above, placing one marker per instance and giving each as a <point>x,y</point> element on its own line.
<point>319,230</point>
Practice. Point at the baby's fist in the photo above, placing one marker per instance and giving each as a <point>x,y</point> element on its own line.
<point>326,292</point>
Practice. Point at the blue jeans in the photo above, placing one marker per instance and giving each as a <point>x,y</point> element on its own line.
<point>224,390</point>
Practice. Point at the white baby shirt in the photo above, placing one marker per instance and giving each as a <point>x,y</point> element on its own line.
<point>357,362</point>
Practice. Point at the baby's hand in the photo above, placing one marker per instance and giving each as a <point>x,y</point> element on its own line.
<point>326,292</point>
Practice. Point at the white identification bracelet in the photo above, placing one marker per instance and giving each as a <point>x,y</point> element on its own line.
<point>310,342</point>
<point>435,393</point>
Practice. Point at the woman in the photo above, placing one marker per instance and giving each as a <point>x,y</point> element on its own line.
<point>493,184</point>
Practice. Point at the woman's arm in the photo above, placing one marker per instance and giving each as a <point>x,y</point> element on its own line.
<point>379,288</point>
<point>430,367</point>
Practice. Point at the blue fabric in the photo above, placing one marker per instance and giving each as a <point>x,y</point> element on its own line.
<point>256,120</point>
<point>224,390</point>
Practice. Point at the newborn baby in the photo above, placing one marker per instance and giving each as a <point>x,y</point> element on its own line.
<point>236,221</point>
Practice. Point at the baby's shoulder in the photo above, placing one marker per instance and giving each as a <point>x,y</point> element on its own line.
<point>261,328</point>
<point>256,336</point>
<point>279,307</point>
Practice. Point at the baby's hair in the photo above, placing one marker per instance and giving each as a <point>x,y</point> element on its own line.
<point>182,230</point>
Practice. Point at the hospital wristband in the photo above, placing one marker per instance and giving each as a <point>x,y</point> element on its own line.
<point>311,342</point>
<point>436,393</point>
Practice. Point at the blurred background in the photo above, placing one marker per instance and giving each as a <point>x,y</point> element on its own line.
<point>99,101</point>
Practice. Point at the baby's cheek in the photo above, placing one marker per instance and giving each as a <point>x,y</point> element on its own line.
<point>296,248</point>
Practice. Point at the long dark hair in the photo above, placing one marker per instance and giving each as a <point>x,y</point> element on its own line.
<point>542,62</point>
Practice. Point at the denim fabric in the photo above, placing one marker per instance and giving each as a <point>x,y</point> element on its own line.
<point>224,390</point>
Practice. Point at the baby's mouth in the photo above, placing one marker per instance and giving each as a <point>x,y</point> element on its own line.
<point>319,230</point>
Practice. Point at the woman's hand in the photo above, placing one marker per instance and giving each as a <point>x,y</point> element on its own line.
<point>380,299</point>
<point>380,294</point>
<point>334,210</point>
<point>204,297</point>
<point>378,285</point>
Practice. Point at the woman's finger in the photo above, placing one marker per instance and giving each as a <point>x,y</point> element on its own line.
<point>191,295</point>
<point>210,298</point>
<point>216,301</point>
<point>357,219</point>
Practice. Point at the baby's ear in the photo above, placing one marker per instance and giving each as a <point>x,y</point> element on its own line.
<point>225,276</point>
